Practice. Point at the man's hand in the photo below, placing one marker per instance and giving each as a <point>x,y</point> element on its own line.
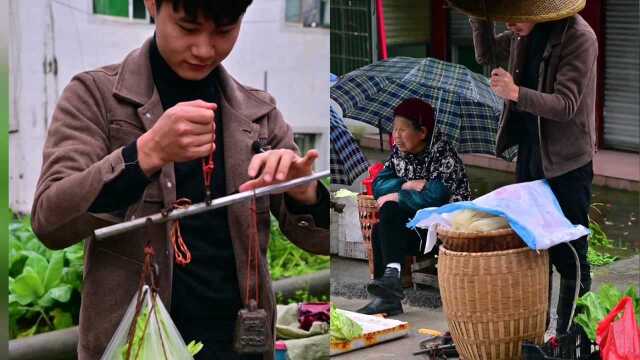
<point>502,84</point>
<point>388,197</point>
<point>184,132</point>
<point>276,166</point>
<point>415,185</point>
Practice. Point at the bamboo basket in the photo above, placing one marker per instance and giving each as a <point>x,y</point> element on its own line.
<point>494,300</point>
<point>369,216</point>
<point>496,240</point>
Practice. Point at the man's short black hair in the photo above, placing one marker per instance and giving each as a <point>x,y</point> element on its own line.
<point>221,12</point>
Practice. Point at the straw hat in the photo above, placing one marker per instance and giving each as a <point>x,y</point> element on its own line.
<point>519,10</point>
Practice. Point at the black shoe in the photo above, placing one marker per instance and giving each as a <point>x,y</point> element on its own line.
<point>389,307</point>
<point>388,286</point>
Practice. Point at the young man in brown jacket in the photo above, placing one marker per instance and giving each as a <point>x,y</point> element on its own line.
<point>549,92</point>
<point>127,140</point>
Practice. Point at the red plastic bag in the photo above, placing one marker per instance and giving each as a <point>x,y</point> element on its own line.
<point>373,173</point>
<point>619,339</point>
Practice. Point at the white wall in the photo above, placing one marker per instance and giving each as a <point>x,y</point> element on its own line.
<point>296,61</point>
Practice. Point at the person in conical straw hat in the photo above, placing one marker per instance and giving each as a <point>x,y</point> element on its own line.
<point>549,88</point>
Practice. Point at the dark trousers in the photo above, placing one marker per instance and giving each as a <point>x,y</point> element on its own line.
<point>392,240</point>
<point>573,192</point>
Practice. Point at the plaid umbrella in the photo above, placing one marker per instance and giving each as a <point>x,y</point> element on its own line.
<point>467,111</point>
<point>347,160</point>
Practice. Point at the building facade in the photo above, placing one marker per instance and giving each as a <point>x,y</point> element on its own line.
<point>283,48</point>
<point>428,28</point>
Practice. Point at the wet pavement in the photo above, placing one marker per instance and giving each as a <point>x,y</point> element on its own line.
<point>348,278</point>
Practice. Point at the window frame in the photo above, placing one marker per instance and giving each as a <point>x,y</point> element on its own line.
<point>324,11</point>
<point>128,18</point>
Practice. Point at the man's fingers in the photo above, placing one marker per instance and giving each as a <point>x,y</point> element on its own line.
<point>285,164</point>
<point>200,104</point>
<point>310,156</point>
<point>251,184</point>
<point>200,140</point>
<point>198,115</point>
<point>307,161</point>
<point>199,129</point>
<point>256,164</point>
<point>201,151</point>
<point>270,166</point>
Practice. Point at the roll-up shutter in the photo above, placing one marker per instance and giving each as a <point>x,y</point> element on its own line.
<point>622,75</point>
<point>407,21</point>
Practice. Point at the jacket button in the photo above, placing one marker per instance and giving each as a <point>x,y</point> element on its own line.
<point>303,223</point>
<point>169,184</point>
<point>148,115</point>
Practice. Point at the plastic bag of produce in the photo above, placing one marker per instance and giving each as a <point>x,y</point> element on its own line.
<point>531,209</point>
<point>469,220</point>
<point>147,332</point>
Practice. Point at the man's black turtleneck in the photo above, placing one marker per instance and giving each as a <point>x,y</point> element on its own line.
<point>205,295</point>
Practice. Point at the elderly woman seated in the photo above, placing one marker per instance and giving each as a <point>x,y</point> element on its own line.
<point>424,170</point>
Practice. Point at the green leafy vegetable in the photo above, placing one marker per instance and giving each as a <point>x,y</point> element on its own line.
<point>194,347</point>
<point>136,343</point>
<point>596,306</point>
<point>286,259</point>
<point>342,328</point>
<point>44,285</point>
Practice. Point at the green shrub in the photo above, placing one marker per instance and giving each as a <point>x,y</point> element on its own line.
<point>44,285</point>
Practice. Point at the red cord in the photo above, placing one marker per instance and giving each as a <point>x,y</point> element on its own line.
<point>207,166</point>
<point>180,249</point>
<point>254,252</point>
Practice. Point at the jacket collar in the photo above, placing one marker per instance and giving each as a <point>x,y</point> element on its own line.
<point>135,84</point>
<point>557,33</point>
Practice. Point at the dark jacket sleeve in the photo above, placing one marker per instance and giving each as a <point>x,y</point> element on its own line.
<point>126,188</point>
<point>482,42</point>
<point>386,182</point>
<point>318,211</point>
<point>433,194</point>
<point>77,162</point>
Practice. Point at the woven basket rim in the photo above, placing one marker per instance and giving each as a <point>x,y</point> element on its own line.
<point>475,235</point>
<point>448,252</point>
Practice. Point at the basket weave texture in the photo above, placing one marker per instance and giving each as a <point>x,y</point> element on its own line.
<point>494,300</point>
<point>496,240</point>
<point>519,10</point>
<point>369,216</point>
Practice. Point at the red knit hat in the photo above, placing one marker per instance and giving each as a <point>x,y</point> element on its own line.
<point>420,113</point>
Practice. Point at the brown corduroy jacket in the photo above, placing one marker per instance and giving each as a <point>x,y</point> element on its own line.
<point>564,101</point>
<point>101,111</point>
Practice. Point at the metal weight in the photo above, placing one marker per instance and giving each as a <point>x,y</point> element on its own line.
<point>251,330</point>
